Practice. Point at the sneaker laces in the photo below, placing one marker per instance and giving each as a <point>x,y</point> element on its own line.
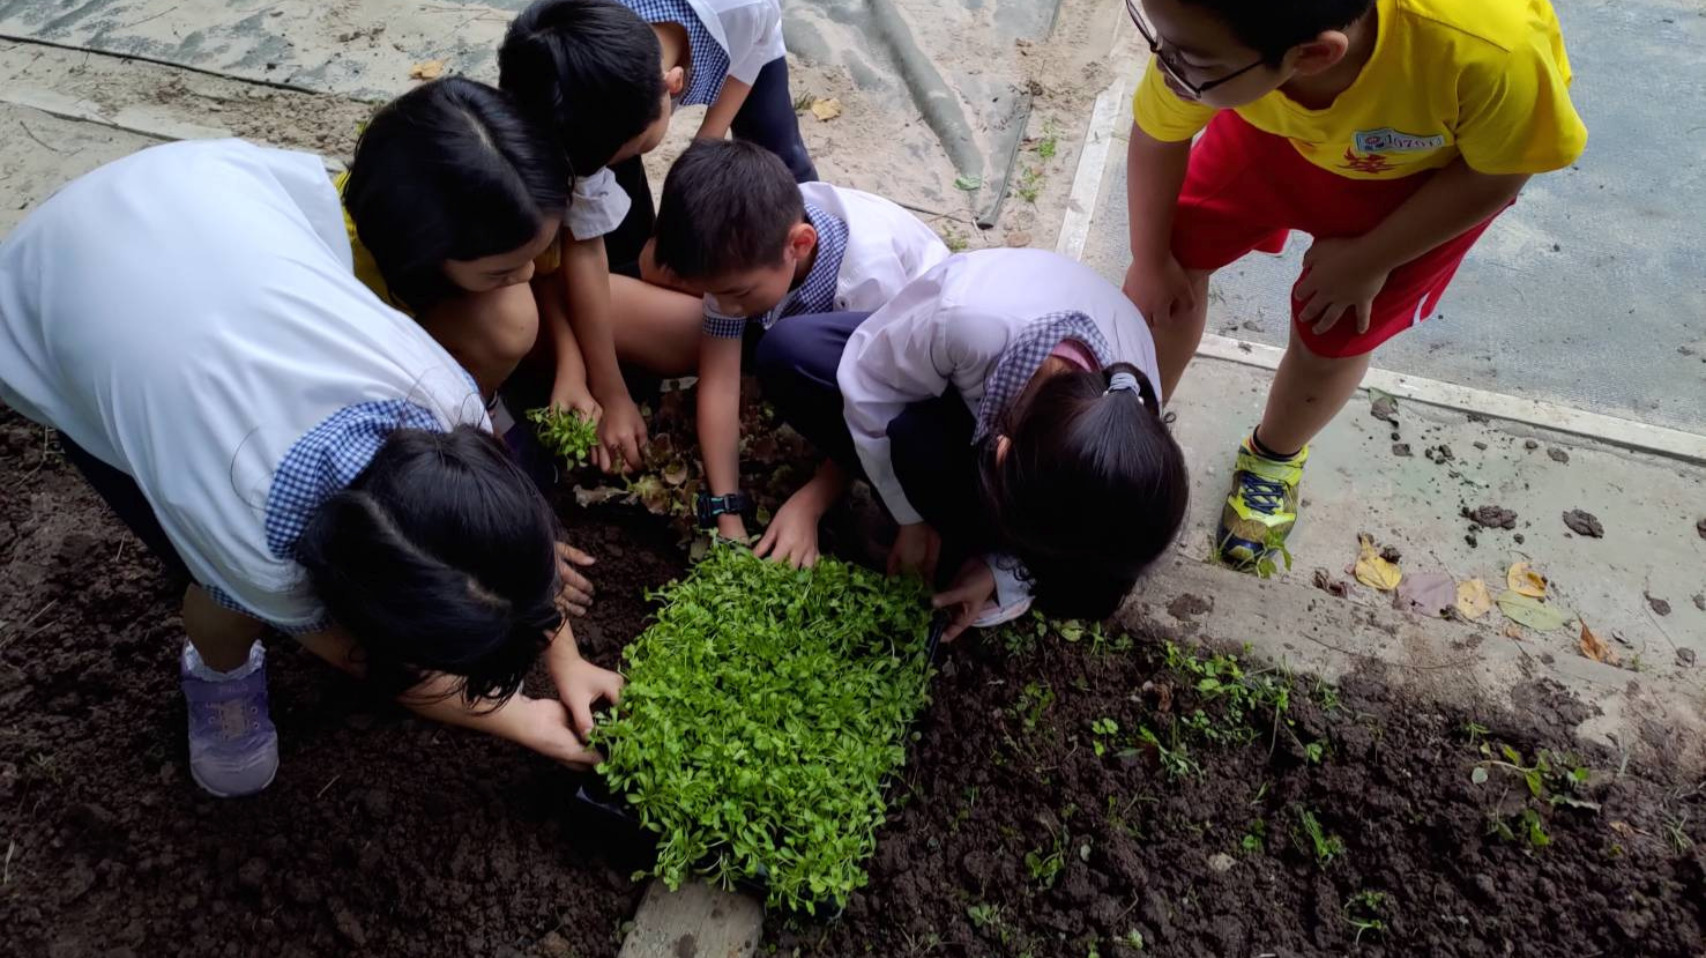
<point>1263,495</point>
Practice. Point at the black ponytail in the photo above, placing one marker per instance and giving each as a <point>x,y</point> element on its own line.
<point>1093,487</point>
<point>440,557</point>
<point>451,170</point>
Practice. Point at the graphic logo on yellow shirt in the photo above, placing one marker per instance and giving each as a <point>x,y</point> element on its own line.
<point>1388,140</point>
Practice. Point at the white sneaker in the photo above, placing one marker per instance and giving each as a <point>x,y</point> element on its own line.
<point>233,745</point>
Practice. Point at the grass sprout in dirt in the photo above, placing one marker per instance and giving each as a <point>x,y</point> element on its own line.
<point>1077,791</point>
<point>765,711</point>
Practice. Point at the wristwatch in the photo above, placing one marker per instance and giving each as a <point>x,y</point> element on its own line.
<point>709,507</point>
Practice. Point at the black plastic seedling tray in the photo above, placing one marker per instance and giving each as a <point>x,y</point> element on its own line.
<point>594,797</point>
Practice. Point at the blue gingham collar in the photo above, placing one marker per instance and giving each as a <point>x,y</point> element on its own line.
<point>816,293</point>
<point>1024,355</point>
<point>327,459</point>
<point>709,66</point>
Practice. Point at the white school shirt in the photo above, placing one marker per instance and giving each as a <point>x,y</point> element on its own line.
<point>950,327</point>
<point>750,34</point>
<point>190,316</point>
<point>887,247</point>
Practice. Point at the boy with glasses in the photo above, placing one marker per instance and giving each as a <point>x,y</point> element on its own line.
<point>1392,131</point>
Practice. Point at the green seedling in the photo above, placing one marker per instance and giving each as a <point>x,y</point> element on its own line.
<point>1175,757</point>
<point>565,433</point>
<point>1132,939</point>
<point>765,709</point>
<point>1034,700</point>
<point>1030,184</point>
<point>956,241</point>
<point>1044,865</point>
<point>1255,837</point>
<point>1103,729</point>
<point>1314,752</point>
<point>1365,911</point>
<point>1325,846</point>
<point>984,916</point>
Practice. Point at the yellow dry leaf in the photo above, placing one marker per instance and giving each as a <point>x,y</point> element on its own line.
<point>1513,631</point>
<point>1595,648</point>
<point>427,70</point>
<point>826,110</point>
<point>1473,599</point>
<point>1525,581</point>
<point>1374,571</point>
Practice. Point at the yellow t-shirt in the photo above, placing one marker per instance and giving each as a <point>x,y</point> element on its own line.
<point>367,270</point>
<point>1487,80</point>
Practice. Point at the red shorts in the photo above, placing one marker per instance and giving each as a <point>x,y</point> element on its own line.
<point>1246,190</point>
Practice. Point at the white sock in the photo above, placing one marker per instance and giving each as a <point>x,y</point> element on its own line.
<point>201,670</point>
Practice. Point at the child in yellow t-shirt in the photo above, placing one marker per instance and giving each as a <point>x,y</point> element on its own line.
<point>1391,131</point>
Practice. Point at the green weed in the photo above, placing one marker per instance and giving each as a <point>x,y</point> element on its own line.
<point>1103,729</point>
<point>1034,700</point>
<point>1325,846</point>
<point>1044,865</point>
<point>764,709</point>
<point>1365,911</point>
<point>1030,184</point>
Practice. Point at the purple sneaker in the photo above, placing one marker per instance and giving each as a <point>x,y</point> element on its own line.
<point>233,745</point>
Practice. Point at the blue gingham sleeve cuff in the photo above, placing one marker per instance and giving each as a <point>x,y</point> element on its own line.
<point>720,326</point>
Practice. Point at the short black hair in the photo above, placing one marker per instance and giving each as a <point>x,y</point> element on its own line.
<point>439,557</point>
<point>591,70</point>
<point>728,206</point>
<point>1093,489</point>
<point>1271,28</point>
<point>451,170</point>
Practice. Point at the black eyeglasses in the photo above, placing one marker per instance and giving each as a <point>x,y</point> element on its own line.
<point>1175,69</point>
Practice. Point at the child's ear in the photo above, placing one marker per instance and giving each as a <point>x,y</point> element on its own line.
<point>1320,54</point>
<point>802,239</point>
<point>674,80</point>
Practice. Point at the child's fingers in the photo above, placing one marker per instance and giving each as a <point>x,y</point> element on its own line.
<point>1365,313</point>
<point>580,714</point>
<point>575,555</point>
<point>766,542</point>
<point>1330,318</point>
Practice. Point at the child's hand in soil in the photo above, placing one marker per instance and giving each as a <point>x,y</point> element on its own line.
<point>1338,279</point>
<point>543,726</point>
<point>968,597</point>
<point>792,534</point>
<point>621,434</point>
<point>915,549</point>
<point>577,591</point>
<point>581,685</point>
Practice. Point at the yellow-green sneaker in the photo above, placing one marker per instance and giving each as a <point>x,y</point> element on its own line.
<point>1261,508</point>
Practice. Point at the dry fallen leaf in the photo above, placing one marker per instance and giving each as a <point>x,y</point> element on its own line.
<point>1473,599</point>
<point>1525,581</point>
<point>826,110</point>
<point>1532,612</point>
<point>1430,593</point>
<point>1595,648</point>
<point>1513,631</point>
<point>1374,571</point>
<point>427,70</point>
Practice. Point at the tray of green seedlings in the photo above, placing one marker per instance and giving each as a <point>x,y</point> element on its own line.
<point>766,710</point>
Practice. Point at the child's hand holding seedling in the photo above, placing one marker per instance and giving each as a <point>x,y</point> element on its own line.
<point>567,433</point>
<point>966,599</point>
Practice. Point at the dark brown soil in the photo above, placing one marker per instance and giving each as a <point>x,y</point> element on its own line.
<point>1492,517</point>
<point>1218,863</point>
<point>383,835</point>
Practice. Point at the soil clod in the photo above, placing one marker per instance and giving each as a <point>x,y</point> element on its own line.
<point>1584,524</point>
<point>1658,605</point>
<point>1558,455</point>
<point>1384,408</point>
<point>1491,517</point>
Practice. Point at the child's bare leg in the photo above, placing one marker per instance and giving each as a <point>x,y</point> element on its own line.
<point>657,329</point>
<point>1177,337</point>
<point>221,637</point>
<point>489,333</point>
<point>1308,391</point>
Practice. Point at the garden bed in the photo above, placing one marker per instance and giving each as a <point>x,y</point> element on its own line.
<point>383,835</point>
<point>1038,818</point>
